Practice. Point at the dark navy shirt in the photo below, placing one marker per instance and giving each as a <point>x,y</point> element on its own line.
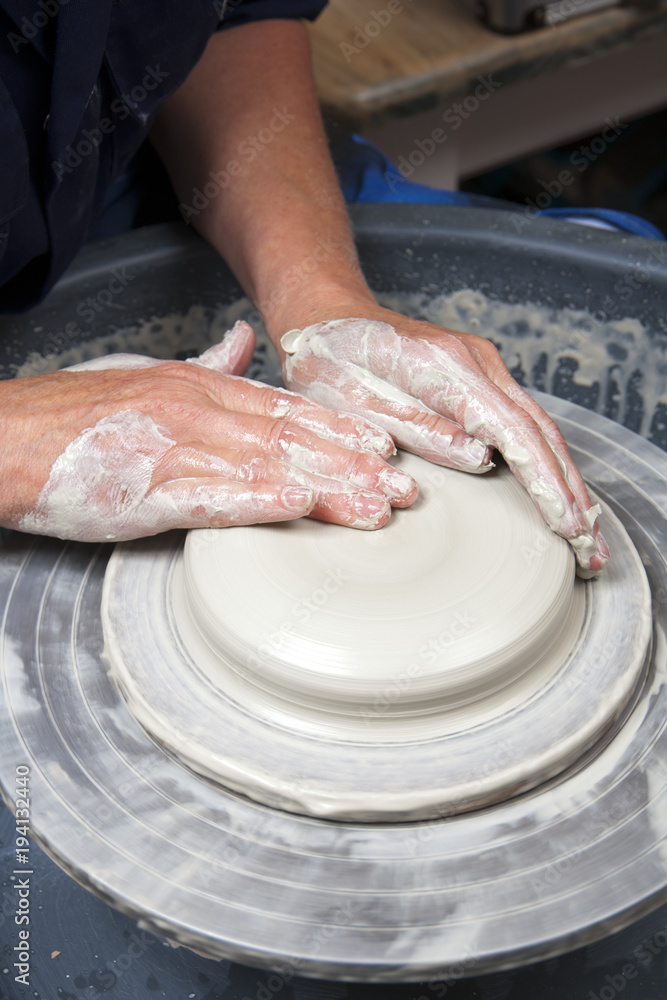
<point>80,84</point>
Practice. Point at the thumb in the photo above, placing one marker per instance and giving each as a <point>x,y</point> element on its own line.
<point>233,354</point>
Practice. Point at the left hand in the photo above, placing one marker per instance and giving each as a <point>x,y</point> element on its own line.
<point>127,446</point>
<point>448,397</point>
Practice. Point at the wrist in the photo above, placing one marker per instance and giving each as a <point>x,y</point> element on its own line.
<point>316,303</point>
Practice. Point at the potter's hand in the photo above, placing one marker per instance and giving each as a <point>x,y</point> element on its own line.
<point>127,446</point>
<point>447,397</point>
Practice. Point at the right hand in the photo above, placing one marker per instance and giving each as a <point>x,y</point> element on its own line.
<point>448,397</point>
<point>128,446</point>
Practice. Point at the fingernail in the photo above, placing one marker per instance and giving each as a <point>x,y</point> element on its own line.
<point>473,456</point>
<point>396,484</point>
<point>370,509</point>
<point>600,556</point>
<point>591,553</point>
<point>377,441</point>
<point>297,497</point>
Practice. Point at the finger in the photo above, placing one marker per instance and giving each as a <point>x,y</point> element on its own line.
<point>451,382</point>
<point>333,501</point>
<point>491,362</point>
<point>249,396</point>
<point>590,546</point>
<point>304,450</point>
<point>215,503</point>
<point>552,434</point>
<point>234,352</point>
<point>231,356</point>
<point>499,422</point>
<point>337,503</point>
<point>466,394</point>
<point>413,426</point>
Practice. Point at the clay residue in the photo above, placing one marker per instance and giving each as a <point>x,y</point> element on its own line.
<point>617,367</point>
<point>177,335</point>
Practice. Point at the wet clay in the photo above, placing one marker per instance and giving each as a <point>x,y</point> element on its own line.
<point>451,604</point>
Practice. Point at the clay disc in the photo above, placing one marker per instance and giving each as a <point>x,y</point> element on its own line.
<point>368,676</point>
<point>443,613</point>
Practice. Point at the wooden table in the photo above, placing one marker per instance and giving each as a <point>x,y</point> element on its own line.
<point>389,68</point>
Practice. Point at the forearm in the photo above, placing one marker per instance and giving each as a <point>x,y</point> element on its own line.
<point>280,222</point>
<point>247,121</point>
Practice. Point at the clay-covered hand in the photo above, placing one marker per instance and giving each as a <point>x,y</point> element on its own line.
<point>127,446</point>
<point>448,397</point>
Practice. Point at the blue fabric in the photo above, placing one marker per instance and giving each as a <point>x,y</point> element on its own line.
<point>609,218</point>
<point>80,84</point>
<point>366,174</point>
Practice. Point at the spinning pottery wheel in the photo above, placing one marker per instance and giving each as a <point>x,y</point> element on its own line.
<point>374,675</point>
<point>544,828</point>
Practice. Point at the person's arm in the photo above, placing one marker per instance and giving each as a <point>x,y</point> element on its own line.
<point>248,116</point>
<point>244,145</point>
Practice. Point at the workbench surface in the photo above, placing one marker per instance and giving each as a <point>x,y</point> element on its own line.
<point>421,54</point>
